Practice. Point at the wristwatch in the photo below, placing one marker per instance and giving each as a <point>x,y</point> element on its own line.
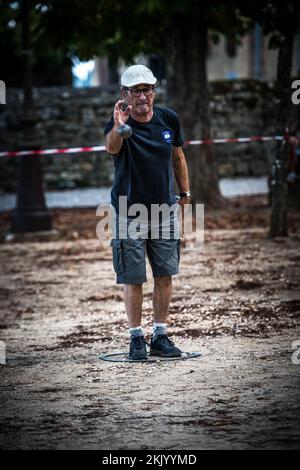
<point>184,194</point>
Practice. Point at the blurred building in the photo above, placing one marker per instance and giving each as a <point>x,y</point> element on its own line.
<point>95,72</point>
<point>250,59</point>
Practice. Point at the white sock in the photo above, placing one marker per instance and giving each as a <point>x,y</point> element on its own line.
<point>136,331</point>
<point>159,329</point>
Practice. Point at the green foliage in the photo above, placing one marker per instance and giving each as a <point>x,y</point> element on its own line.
<point>277,18</point>
<point>61,28</point>
<point>48,60</point>
<point>119,29</point>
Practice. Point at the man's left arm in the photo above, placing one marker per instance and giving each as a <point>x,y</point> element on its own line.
<point>181,171</point>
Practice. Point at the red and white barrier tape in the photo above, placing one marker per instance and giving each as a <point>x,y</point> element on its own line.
<point>19,153</point>
<point>233,140</point>
<point>101,148</point>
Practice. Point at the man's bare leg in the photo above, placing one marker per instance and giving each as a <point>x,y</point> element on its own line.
<point>161,298</point>
<point>133,297</point>
<point>160,343</point>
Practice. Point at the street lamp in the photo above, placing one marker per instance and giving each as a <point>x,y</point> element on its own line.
<point>31,213</point>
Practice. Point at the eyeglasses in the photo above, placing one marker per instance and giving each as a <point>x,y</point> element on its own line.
<point>137,91</point>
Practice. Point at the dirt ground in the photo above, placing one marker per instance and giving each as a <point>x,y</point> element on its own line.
<point>237,301</point>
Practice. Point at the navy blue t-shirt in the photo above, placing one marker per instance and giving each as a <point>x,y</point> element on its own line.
<point>143,166</point>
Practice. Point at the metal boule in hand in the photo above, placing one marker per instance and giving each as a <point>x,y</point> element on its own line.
<point>124,131</point>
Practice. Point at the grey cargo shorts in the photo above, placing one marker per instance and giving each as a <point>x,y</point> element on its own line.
<point>163,251</point>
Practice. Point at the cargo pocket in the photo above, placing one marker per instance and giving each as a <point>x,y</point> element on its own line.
<point>178,248</point>
<point>117,255</point>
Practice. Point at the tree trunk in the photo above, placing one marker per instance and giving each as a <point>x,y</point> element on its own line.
<point>279,188</point>
<point>188,95</point>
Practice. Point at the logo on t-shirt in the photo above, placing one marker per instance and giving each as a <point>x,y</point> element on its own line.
<point>167,136</point>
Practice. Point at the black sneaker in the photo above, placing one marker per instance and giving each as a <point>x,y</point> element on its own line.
<point>163,346</point>
<point>137,350</point>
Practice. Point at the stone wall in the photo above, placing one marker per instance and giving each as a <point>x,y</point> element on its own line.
<point>69,117</point>
<point>243,108</point>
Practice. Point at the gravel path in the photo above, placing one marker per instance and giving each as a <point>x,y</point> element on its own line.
<point>238,302</point>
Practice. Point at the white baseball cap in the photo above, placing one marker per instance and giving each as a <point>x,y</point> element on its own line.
<point>137,74</point>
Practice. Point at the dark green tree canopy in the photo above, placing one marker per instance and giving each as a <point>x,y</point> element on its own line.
<point>61,29</point>
<point>65,28</point>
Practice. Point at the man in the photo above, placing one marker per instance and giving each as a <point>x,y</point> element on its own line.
<point>145,164</point>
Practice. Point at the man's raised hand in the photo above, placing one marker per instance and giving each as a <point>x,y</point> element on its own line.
<point>120,119</point>
<point>120,116</point>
